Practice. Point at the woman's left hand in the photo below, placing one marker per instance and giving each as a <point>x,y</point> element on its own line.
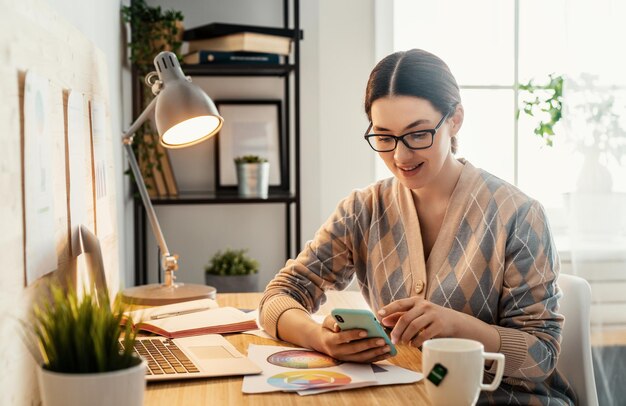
<point>415,320</point>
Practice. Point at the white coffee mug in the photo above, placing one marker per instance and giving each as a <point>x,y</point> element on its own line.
<point>457,365</point>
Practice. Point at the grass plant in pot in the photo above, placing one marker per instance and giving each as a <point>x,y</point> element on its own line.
<point>232,271</point>
<point>253,173</point>
<point>76,340</point>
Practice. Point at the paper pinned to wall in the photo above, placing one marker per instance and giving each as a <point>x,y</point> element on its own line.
<point>79,167</point>
<point>104,226</point>
<point>40,250</point>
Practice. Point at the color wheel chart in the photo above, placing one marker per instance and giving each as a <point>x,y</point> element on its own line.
<point>310,379</point>
<point>302,359</point>
<point>300,369</point>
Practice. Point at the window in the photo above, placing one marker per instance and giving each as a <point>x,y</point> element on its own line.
<point>493,45</point>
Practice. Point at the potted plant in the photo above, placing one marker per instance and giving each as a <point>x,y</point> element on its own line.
<point>153,30</point>
<point>76,340</point>
<point>232,271</point>
<point>253,173</point>
<point>594,123</point>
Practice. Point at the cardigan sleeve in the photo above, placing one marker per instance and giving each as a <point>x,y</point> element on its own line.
<point>529,322</point>
<point>325,263</point>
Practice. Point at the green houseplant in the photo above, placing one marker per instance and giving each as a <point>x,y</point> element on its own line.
<point>76,339</point>
<point>544,102</point>
<point>153,30</point>
<point>232,271</point>
<point>253,174</point>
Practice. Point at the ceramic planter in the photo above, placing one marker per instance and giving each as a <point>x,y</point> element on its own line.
<point>253,179</point>
<point>233,283</point>
<point>123,387</point>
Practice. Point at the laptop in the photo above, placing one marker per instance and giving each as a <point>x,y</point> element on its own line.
<point>202,356</point>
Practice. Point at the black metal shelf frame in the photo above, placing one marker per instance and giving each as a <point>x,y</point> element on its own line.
<point>287,198</point>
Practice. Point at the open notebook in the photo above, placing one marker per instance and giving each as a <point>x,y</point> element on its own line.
<point>192,318</point>
<point>200,356</point>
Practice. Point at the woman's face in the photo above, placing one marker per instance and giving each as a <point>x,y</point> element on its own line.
<point>398,115</point>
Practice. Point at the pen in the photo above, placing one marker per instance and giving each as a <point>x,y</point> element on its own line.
<point>178,313</point>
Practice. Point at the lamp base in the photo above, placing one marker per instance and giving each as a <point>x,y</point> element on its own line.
<point>157,294</point>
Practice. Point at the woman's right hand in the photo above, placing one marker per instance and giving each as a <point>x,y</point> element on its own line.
<point>350,345</point>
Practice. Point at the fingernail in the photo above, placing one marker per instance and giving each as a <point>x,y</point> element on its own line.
<point>381,312</point>
<point>380,342</point>
<point>387,349</point>
<point>362,334</point>
<point>393,340</point>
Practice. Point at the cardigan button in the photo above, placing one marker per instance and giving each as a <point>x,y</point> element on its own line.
<point>419,286</point>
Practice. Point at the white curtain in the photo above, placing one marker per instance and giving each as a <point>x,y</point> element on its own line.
<point>595,128</point>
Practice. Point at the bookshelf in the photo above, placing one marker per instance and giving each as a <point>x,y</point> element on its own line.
<point>290,199</point>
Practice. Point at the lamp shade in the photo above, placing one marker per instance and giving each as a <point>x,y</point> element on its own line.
<point>184,114</point>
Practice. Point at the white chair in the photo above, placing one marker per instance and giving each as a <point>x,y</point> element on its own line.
<point>575,359</point>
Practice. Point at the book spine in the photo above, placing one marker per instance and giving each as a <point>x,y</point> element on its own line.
<point>146,171</point>
<point>157,175</point>
<point>209,57</point>
<point>166,169</point>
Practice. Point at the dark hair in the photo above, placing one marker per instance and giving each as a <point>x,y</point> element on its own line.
<point>414,73</point>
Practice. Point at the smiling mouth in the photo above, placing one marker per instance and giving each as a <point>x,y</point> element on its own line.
<point>410,168</point>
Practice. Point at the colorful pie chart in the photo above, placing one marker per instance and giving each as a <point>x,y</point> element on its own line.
<point>310,379</point>
<point>302,359</point>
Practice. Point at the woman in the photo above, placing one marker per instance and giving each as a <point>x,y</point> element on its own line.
<point>441,249</point>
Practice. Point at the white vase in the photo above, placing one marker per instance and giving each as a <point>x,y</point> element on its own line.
<point>120,388</point>
<point>594,177</point>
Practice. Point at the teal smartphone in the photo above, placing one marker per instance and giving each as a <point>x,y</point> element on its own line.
<point>348,319</point>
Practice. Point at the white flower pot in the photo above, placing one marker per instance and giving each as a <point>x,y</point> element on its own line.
<point>120,388</point>
<point>253,179</point>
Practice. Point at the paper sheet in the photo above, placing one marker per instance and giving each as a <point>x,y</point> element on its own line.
<point>146,314</point>
<point>104,227</point>
<point>41,255</point>
<point>385,374</point>
<point>80,167</point>
<point>293,369</point>
<point>206,318</point>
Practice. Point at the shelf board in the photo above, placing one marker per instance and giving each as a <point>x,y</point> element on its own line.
<point>252,69</point>
<point>222,198</point>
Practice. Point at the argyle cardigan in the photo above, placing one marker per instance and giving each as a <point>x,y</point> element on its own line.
<point>494,258</point>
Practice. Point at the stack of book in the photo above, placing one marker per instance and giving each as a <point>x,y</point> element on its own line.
<point>219,43</point>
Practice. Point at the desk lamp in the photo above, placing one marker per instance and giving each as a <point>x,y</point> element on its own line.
<point>184,116</point>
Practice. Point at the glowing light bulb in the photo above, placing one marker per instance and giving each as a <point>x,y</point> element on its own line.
<point>191,131</point>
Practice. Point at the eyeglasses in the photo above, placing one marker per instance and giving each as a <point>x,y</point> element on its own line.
<point>421,139</point>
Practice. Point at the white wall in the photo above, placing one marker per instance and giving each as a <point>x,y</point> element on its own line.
<point>100,22</point>
<point>337,54</point>
<point>336,57</point>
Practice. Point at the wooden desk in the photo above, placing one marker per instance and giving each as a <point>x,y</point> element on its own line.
<point>227,391</point>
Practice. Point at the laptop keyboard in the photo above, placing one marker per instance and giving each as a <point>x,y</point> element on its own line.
<point>163,357</point>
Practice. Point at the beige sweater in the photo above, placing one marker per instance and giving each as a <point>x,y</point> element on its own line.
<point>494,259</point>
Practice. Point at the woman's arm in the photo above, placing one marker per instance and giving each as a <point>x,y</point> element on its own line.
<point>415,320</point>
<point>298,289</point>
<point>529,324</point>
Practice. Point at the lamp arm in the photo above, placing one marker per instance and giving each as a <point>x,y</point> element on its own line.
<point>169,262</point>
